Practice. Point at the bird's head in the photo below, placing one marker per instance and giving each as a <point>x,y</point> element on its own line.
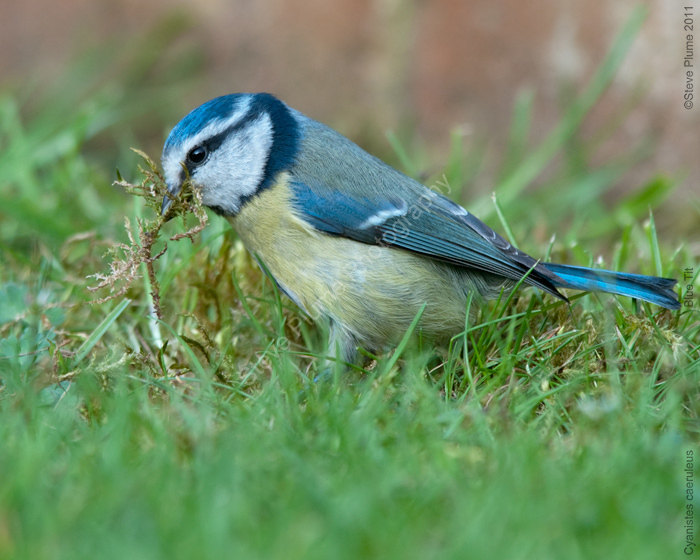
<point>231,147</point>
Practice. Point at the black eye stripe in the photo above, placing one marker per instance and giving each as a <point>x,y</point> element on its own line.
<point>285,136</point>
<point>214,142</point>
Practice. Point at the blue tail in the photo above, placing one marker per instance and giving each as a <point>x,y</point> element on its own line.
<point>649,288</point>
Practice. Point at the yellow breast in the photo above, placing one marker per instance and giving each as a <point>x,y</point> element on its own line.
<point>375,292</point>
<point>271,230</point>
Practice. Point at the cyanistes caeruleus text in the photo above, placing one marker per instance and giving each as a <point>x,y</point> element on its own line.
<point>350,239</point>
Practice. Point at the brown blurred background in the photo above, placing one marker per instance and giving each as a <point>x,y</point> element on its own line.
<point>365,66</point>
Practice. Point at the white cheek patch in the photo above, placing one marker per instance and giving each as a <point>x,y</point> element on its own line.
<point>237,167</point>
<point>172,169</point>
<point>172,165</point>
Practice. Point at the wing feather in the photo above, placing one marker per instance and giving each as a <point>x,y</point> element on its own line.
<point>429,224</point>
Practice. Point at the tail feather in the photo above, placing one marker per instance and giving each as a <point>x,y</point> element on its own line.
<point>648,288</point>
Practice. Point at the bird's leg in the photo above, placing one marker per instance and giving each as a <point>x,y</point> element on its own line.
<point>342,349</point>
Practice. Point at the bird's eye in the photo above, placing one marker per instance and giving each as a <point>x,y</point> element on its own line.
<point>197,155</point>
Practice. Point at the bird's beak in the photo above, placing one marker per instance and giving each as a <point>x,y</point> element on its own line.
<point>174,190</point>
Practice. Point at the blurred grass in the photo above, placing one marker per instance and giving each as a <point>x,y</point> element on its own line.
<point>60,144</point>
<point>543,431</point>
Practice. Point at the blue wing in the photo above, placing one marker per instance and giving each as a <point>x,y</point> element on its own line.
<point>342,190</point>
<point>429,224</point>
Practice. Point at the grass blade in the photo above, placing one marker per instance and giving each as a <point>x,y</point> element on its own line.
<point>404,341</point>
<point>99,332</point>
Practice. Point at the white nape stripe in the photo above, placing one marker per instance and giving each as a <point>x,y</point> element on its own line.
<point>238,166</point>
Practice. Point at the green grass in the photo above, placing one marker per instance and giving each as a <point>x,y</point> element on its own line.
<point>543,431</point>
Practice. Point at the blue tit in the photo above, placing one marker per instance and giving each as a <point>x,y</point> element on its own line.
<point>348,238</point>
